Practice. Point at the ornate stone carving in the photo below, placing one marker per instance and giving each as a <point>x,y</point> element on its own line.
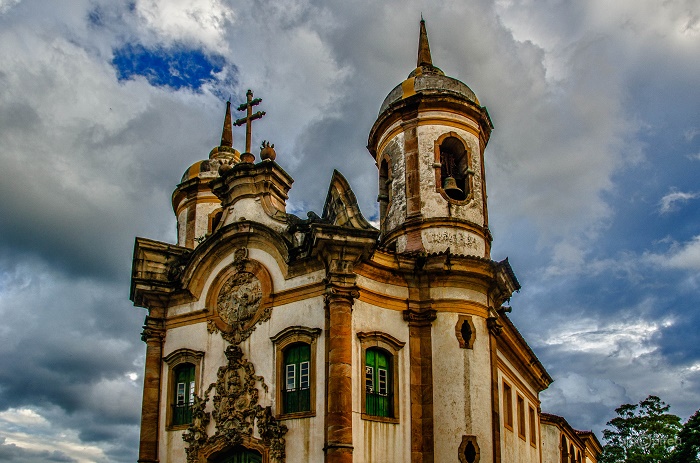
<point>419,317</point>
<point>334,293</point>
<point>239,304</point>
<point>494,327</point>
<point>239,298</point>
<point>211,327</point>
<point>236,413</point>
<point>153,330</point>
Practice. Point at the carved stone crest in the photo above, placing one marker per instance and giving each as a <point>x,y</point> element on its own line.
<point>239,298</point>
<point>236,414</point>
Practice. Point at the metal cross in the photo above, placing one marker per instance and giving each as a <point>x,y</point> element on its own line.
<point>248,105</point>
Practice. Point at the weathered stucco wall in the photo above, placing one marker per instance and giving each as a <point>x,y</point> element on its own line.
<point>461,388</point>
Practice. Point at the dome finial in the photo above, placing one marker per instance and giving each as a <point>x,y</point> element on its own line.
<point>424,58</point>
<point>227,132</point>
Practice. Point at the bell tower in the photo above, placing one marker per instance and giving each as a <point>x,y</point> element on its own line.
<point>428,143</point>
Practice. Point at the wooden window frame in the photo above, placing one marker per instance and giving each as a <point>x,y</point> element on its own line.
<point>173,360</point>
<point>532,415</point>
<point>507,405</point>
<point>282,340</point>
<point>520,412</point>
<point>388,343</point>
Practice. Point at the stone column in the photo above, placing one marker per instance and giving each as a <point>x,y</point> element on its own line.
<point>339,301</point>
<point>153,335</point>
<point>421,355</point>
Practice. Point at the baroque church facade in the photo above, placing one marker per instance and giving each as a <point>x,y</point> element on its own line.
<point>272,338</point>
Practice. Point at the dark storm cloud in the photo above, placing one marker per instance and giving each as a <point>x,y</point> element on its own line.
<point>13,454</point>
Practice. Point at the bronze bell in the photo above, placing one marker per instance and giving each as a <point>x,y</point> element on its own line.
<point>451,188</point>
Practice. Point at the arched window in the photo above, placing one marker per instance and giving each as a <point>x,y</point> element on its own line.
<point>454,168</point>
<point>296,394</point>
<point>241,454</point>
<point>564,451</point>
<point>295,356</point>
<point>183,377</point>
<point>572,454</point>
<point>380,367</point>
<point>183,394</point>
<point>379,393</point>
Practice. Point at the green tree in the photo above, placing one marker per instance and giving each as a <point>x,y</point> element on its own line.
<point>688,448</point>
<point>641,433</point>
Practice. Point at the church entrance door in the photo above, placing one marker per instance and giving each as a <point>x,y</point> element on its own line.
<point>241,455</point>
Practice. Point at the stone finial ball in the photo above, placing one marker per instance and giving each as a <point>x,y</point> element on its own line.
<point>267,151</point>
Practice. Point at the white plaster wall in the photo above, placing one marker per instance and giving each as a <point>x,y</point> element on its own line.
<point>181,227</point>
<point>377,442</point>
<point>551,440</point>
<point>251,209</point>
<point>461,389</point>
<point>465,294</point>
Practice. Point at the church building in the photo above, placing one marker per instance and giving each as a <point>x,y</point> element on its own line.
<point>274,338</point>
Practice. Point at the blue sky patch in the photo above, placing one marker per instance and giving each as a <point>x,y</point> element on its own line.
<point>176,67</point>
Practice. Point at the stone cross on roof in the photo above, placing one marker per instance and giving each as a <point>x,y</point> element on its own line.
<point>250,117</point>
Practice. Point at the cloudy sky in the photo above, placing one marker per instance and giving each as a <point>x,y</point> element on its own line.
<point>592,174</point>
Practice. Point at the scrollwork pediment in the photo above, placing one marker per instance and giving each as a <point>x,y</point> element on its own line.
<point>236,412</point>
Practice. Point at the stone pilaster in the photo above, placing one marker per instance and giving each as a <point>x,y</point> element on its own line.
<point>339,300</point>
<point>421,355</point>
<point>153,335</point>
<point>495,329</point>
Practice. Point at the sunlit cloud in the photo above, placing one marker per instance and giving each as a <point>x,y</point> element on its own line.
<point>671,200</point>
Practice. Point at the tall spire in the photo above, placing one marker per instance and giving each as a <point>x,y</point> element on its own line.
<point>227,133</point>
<point>424,58</point>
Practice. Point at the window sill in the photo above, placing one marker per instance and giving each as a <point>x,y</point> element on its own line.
<point>508,427</point>
<point>177,427</point>
<point>381,419</point>
<point>294,416</point>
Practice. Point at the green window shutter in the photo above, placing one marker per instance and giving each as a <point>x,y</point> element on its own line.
<point>183,394</point>
<point>296,393</point>
<point>379,394</point>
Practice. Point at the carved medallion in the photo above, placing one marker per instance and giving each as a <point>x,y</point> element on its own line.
<point>239,298</point>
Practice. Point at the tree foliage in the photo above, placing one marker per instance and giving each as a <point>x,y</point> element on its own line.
<point>641,433</point>
<point>688,448</point>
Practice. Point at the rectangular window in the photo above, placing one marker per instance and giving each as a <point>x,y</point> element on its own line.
<point>304,375</point>
<point>296,387</point>
<point>508,406</point>
<point>191,397</point>
<point>369,379</point>
<point>291,377</point>
<point>521,417</point>
<point>382,381</point>
<point>180,394</point>
<point>533,428</point>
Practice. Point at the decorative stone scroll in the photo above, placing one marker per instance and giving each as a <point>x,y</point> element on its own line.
<point>236,414</point>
